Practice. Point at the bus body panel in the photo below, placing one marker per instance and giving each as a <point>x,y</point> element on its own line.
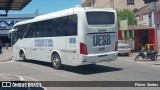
<point>95,58</point>
<point>68,47</point>
<point>68,50</point>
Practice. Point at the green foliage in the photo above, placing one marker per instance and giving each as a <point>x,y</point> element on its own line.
<point>126,14</point>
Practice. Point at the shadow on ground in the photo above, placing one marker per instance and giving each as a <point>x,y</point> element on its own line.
<point>37,62</point>
<point>91,69</point>
<point>123,55</point>
<point>1,53</point>
<point>84,69</point>
<point>145,60</point>
<point>156,64</point>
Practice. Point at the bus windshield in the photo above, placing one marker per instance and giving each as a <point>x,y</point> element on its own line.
<point>100,18</point>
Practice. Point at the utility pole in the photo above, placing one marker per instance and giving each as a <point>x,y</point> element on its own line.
<point>155,22</point>
<point>93,3</point>
<point>112,4</point>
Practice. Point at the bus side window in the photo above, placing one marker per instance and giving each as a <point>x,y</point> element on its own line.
<point>14,37</point>
<point>20,32</point>
<point>72,25</point>
<point>40,26</point>
<point>53,28</point>
<point>37,29</point>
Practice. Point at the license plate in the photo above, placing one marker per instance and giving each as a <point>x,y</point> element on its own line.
<point>123,48</point>
<point>102,49</point>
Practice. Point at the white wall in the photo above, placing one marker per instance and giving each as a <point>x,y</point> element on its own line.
<point>144,21</point>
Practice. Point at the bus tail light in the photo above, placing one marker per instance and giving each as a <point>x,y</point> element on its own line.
<point>116,46</point>
<point>83,49</point>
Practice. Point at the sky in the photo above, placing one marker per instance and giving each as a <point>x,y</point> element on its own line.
<point>46,6</point>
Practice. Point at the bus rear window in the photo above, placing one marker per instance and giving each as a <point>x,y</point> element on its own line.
<point>100,18</point>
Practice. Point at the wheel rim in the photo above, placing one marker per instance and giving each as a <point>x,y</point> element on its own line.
<point>55,61</point>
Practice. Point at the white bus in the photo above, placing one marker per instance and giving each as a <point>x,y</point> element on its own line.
<point>76,36</point>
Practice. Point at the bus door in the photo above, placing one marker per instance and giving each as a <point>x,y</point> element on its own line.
<point>71,49</point>
<point>14,39</point>
<point>71,39</point>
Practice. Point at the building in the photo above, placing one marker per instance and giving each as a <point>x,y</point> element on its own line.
<point>7,22</point>
<point>144,32</point>
<point>116,4</point>
<point>146,16</point>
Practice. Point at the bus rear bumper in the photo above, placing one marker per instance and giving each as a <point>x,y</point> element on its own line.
<point>95,58</point>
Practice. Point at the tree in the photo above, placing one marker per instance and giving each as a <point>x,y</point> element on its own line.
<point>126,14</point>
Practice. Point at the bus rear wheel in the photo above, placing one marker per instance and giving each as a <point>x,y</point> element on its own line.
<point>56,61</point>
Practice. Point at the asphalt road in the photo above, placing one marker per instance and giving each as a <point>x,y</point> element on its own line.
<point>124,69</point>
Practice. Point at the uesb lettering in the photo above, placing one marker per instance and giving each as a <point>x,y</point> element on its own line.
<point>101,40</point>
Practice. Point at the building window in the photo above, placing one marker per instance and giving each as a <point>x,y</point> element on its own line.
<point>130,2</point>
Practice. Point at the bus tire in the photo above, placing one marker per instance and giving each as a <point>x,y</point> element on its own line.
<point>93,64</point>
<point>23,57</point>
<point>56,61</point>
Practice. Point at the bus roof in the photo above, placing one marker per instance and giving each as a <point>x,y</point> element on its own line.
<point>59,14</point>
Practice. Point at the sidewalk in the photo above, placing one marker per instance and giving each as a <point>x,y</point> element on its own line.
<point>6,54</point>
